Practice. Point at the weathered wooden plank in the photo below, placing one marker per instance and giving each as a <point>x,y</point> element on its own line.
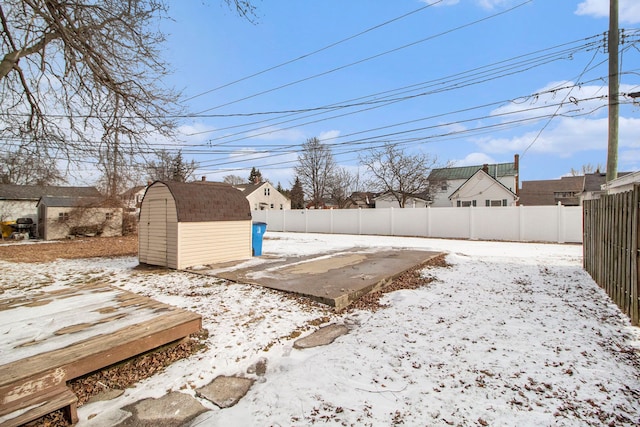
<point>103,350</point>
<point>88,338</point>
<point>40,405</point>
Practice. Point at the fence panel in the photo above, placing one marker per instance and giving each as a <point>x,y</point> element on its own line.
<point>610,246</point>
<point>523,223</point>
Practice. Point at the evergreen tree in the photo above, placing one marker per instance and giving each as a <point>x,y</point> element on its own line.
<point>297,195</point>
<point>255,177</point>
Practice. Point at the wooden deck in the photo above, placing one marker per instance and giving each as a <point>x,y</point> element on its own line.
<point>51,338</point>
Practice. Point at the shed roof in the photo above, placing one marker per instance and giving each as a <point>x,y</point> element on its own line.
<point>207,201</point>
<point>35,192</point>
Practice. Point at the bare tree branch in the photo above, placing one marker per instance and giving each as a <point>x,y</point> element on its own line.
<point>399,174</point>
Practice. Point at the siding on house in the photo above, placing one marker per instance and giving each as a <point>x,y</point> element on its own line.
<point>59,217</point>
<point>482,190</point>
<point>264,196</point>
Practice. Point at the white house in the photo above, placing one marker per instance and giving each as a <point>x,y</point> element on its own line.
<point>387,200</point>
<point>482,189</point>
<point>264,196</point>
<point>449,180</point>
<point>622,183</point>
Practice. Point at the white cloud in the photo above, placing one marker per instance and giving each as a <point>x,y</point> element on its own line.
<point>486,4</point>
<point>328,136</point>
<point>442,3</point>
<point>492,4</point>
<point>629,10</point>
<point>565,137</point>
<point>474,159</point>
<point>581,99</point>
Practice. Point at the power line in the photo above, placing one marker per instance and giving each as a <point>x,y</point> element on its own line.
<point>306,55</point>
<point>368,58</point>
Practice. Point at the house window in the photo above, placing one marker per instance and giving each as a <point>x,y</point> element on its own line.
<point>271,205</point>
<point>109,216</point>
<point>443,187</point>
<point>504,202</point>
<point>63,216</point>
<point>266,191</point>
<point>465,203</point>
<point>487,202</point>
<point>281,207</point>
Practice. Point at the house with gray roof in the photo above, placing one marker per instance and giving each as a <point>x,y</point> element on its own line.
<point>567,191</point>
<point>20,201</point>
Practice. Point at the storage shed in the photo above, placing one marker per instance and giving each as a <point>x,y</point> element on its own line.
<point>187,224</point>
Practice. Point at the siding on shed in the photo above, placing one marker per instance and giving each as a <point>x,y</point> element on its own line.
<point>157,233</point>
<point>187,224</point>
<point>200,242</point>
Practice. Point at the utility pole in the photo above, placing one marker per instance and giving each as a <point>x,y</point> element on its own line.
<point>614,89</point>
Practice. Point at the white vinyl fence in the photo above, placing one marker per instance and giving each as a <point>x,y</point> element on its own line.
<point>557,224</point>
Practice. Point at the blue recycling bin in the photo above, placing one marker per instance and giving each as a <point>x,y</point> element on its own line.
<point>259,229</point>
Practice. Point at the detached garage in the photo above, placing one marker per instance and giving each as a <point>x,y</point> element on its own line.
<point>187,224</point>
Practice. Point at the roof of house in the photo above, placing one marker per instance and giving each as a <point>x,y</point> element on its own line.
<point>35,192</point>
<point>207,201</point>
<point>465,172</point>
<point>249,188</point>
<point>71,202</point>
<point>543,192</point>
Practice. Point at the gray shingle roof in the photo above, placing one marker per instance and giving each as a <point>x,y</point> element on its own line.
<point>208,201</point>
<point>542,192</point>
<point>35,192</point>
<point>70,202</point>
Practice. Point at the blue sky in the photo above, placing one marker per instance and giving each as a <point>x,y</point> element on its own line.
<point>466,81</point>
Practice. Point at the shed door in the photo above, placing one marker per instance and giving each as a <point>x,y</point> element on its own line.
<point>157,232</point>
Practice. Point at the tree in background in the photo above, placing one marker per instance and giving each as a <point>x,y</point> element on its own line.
<point>315,169</point>
<point>255,176</point>
<point>587,169</point>
<point>341,184</point>
<point>73,71</point>
<point>171,167</point>
<point>297,195</point>
<point>394,172</point>
<point>27,168</point>
<point>233,180</point>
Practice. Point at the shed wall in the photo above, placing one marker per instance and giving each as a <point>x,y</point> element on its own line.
<point>158,228</point>
<point>202,243</point>
<point>91,218</point>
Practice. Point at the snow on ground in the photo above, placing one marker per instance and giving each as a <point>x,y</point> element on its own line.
<point>510,334</point>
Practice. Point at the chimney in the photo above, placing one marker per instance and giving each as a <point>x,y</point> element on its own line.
<point>485,168</point>
<point>204,178</point>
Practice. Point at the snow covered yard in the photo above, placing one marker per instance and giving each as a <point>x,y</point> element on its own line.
<point>510,334</point>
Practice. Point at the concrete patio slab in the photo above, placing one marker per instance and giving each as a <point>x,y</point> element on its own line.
<point>334,278</point>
